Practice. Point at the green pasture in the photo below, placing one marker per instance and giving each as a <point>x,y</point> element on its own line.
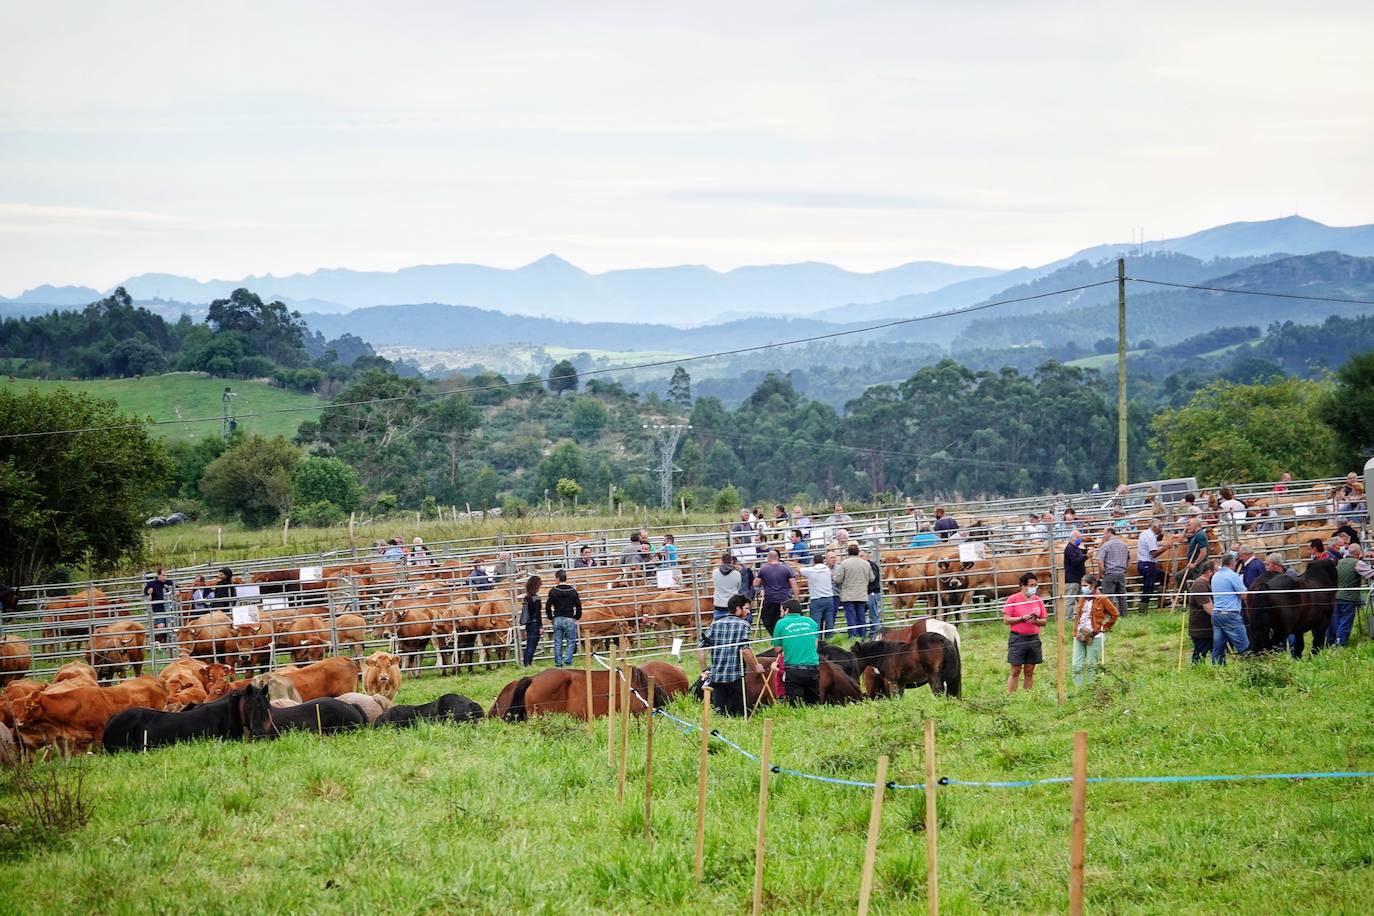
<point>500,818</point>
<point>195,396</point>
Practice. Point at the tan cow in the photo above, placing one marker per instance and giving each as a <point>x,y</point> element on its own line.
<point>382,674</point>
<point>118,647</point>
<point>351,630</point>
<point>15,659</point>
<point>207,636</point>
<point>327,678</point>
<point>307,639</point>
<point>76,671</point>
<point>75,714</point>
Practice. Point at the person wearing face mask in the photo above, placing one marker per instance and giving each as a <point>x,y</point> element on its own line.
<point>1025,614</point>
<point>1075,564</point>
<point>1096,615</point>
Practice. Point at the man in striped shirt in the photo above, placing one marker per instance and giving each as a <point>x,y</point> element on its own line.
<point>726,637</point>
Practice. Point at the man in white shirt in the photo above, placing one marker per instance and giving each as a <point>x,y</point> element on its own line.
<point>820,589</point>
<point>1147,550</point>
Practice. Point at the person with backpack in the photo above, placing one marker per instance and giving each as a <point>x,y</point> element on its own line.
<point>530,612</point>
<point>565,610</point>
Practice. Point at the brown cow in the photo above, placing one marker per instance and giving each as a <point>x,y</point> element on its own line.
<point>307,638</point>
<point>118,647</point>
<point>15,659</point>
<point>408,621</point>
<point>207,636</point>
<point>76,671</point>
<point>67,621</point>
<point>327,678</point>
<point>669,609</point>
<point>604,622</point>
<point>351,630</point>
<point>250,644</point>
<point>75,714</point>
<point>382,674</point>
<point>186,696</point>
<point>490,622</point>
<point>15,693</point>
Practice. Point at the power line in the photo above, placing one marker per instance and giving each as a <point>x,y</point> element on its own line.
<point>540,381</point>
<point>1253,292</point>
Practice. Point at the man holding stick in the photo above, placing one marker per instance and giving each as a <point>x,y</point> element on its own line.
<point>727,637</point>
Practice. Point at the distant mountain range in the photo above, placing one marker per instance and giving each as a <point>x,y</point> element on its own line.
<point>694,295</point>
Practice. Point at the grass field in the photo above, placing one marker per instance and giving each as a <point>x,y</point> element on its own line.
<point>503,817</point>
<point>195,396</point>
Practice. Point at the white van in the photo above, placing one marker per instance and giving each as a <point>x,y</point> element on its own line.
<point>1170,491</point>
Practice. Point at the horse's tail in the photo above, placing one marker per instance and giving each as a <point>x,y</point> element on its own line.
<point>951,669</point>
<point>514,708</point>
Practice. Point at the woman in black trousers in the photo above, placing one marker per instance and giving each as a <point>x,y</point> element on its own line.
<point>530,612</point>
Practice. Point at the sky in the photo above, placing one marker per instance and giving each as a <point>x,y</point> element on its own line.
<point>219,142</point>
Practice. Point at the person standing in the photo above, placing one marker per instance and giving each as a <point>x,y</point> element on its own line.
<point>1024,612</point>
<point>584,560</point>
<point>795,635</point>
<point>802,522</point>
<point>725,580</point>
<point>798,549</point>
<point>1228,618</point>
<point>531,610</point>
<point>1075,565</point>
<point>223,594</point>
<point>875,596</point>
<point>727,637</point>
<point>945,525</point>
<point>779,583</point>
<point>1147,551</point>
<point>1115,557</point>
<point>667,554</point>
<point>201,596</point>
<point>742,535</point>
<point>820,586</point>
<point>1200,611</point>
<point>1096,616</point>
<point>1349,595</point>
<point>840,518</point>
<point>1250,566</point>
<point>565,610</point>
<point>1198,546</point>
<point>851,581</point>
<point>156,592</point>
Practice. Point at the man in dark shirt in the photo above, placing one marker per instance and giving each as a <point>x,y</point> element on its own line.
<point>564,609</point>
<point>156,592</point>
<point>1200,611</point>
<point>945,525</point>
<point>727,637</point>
<point>779,583</point>
<point>1075,564</point>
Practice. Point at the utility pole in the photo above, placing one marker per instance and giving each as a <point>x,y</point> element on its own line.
<point>228,424</point>
<point>1121,370</point>
<point>667,436</point>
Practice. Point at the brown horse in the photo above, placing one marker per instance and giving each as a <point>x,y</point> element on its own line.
<point>564,690</point>
<point>890,666</point>
<point>669,680</point>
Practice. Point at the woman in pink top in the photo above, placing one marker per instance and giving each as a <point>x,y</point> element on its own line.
<point>1025,613</point>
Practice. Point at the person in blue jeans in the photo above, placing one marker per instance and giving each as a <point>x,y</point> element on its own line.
<point>1228,621</point>
<point>821,590</point>
<point>1351,592</point>
<point>531,614</point>
<point>875,595</point>
<point>564,609</point>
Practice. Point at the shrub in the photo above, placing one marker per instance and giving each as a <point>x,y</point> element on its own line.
<point>318,514</point>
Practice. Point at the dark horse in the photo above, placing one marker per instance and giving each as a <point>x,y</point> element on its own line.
<point>845,660</point>
<point>931,659</point>
<point>141,728</point>
<point>1278,607</point>
<point>450,707</point>
<point>326,714</point>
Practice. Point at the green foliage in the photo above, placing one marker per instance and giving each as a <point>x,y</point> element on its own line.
<point>385,502</point>
<point>727,499</point>
<point>680,388</point>
<point>318,514</point>
<point>76,498</point>
<point>189,461</point>
<point>253,480</point>
<point>269,329</point>
<point>589,418</point>
<point>1348,408</point>
<point>327,480</point>
<point>1242,433</point>
<point>568,488</point>
<point>562,377</point>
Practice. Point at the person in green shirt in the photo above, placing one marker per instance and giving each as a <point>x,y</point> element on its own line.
<point>1197,548</point>
<point>796,635</point>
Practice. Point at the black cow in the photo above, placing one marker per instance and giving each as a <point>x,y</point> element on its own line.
<point>141,728</point>
<point>450,707</point>
<point>326,714</point>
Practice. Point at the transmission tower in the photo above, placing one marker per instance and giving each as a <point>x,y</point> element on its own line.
<point>667,436</point>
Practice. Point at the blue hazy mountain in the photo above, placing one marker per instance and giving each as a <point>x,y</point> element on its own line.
<point>56,295</point>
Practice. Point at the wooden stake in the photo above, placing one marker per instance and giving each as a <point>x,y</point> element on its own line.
<point>764,772</point>
<point>285,531</point>
<point>932,826</point>
<point>587,668</point>
<point>875,819</point>
<point>610,712</point>
<point>1182,632</point>
<point>1063,604</point>
<point>1080,803</point>
<point>219,538</point>
<point>649,767</point>
<point>701,778</point>
<point>625,701</point>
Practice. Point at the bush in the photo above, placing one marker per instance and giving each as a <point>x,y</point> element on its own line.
<point>45,806</point>
<point>256,367</point>
<point>386,502</point>
<point>514,507</point>
<point>727,499</point>
<point>318,514</point>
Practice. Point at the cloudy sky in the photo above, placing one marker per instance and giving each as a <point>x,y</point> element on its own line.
<point>282,137</point>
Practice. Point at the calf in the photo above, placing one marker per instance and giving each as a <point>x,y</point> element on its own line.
<point>116,648</point>
<point>382,674</point>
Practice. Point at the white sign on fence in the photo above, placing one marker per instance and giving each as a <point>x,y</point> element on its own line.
<point>312,573</point>
<point>247,591</point>
<point>277,603</point>
<point>968,552</point>
<point>246,615</point>
<point>677,647</point>
<point>666,579</point>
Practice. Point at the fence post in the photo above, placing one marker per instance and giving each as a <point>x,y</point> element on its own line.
<point>696,594</point>
<point>611,689</point>
<point>152,624</point>
<point>649,767</point>
<point>1080,801</point>
<point>587,669</point>
<point>1061,603</point>
<point>875,818</point>
<point>764,770</point>
<point>333,621</point>
<point>701,778</point>
<point>932,826</point>
<point>625,701</point>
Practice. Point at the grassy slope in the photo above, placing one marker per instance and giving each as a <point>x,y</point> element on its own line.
<point>500,817</point>
<point>198,396</point>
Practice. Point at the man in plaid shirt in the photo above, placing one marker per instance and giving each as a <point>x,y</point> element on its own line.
<point>726,636</point>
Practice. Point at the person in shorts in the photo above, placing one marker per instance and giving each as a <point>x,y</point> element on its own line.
<point>1025,613</point>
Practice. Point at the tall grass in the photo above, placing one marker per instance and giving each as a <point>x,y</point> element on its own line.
<point>501,817</point>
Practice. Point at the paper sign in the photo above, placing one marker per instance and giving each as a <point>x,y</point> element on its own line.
<point>968,552</point>
<point>247,591</point>
<point>275,604</point>
<point>820,535</point>
<point>677,647</point>
<point>666,579</point>
<point>312,573</point>
<point>1304,509</point>
<point>246,615</point>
